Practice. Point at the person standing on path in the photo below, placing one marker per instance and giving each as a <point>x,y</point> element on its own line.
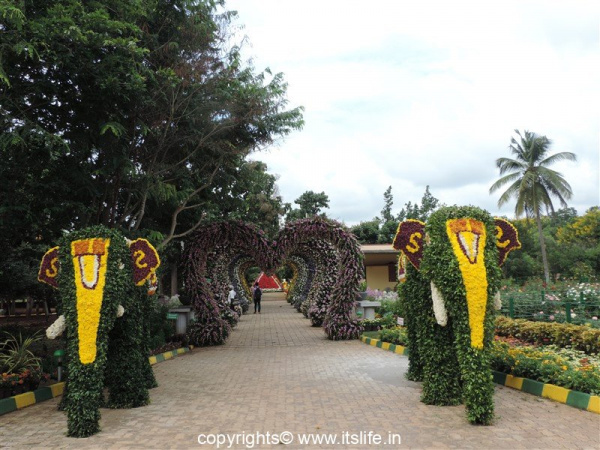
<point>256,296</point>
<point>231,296</point>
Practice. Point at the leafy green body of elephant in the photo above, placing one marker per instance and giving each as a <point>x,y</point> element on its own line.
<point>95,281</point>
<point>449,291</point>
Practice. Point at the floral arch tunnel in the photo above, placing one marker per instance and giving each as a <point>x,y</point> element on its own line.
<point>325,258</point>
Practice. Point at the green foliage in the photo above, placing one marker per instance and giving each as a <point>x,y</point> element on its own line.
<point>397,335</point>
<point>382,231</point>
<point>16,355</point>
<point>128,365</point>
<point>367,232</point>
<point>387,232</point>
<point>578,337</point>
<point>420,212</point>
<point>378,323</point>
<point>135,115</point>
<point>572,245</point>
<point>566,368</point>
<point>388,199</point>
<point>392,307</point>
<point>416,295</point>
<point>159,328</point>
<point>532,183</point>
<point>310,204</point>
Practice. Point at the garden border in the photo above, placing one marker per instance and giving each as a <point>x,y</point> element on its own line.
<point>21,401</point>
<point>576,399</point>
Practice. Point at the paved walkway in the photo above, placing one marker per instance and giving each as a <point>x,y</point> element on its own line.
<point>278,374</point>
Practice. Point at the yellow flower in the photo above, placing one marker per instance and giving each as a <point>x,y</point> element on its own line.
<point>467,237</point>
<point>89,263</point>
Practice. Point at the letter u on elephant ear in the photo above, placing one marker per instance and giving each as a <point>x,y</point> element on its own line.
<point>145,260</point>
<point>409,240</point>
<point>49,268</point>
<point>507,239</point>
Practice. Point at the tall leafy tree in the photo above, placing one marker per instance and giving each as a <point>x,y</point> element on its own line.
<point>420,211</point>
<point>388,202</point>
<point>367,232</point>
<point>531,182</point>
<point>125,114</point>
<point>310,204</point>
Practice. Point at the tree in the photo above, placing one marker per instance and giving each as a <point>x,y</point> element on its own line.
<point>531,182</point>
<point>420,212</point>
<point>366,232</point>
<point>388,202</point>
<point>310,204</point>
<point>135,115</point>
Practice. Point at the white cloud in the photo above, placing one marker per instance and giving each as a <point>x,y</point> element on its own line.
<point>429,93</point>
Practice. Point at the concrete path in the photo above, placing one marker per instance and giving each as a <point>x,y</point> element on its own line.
<point>276,374</point>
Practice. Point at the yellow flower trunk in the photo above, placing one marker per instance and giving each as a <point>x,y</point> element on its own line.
<point>467,237</point>
<point>89,262</point>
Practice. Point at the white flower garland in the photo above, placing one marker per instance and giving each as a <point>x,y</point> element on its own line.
<point>497,301</point>
<point>439,306</point>
<point>57,328</point>
<point>120,311</point>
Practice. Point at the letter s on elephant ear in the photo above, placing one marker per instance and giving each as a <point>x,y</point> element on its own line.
<point>507,239</point>
<point>49,268</point>
<point>145,260</point>
<point>410,239</point>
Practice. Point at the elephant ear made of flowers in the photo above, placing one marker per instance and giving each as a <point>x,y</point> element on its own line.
<point>96,272</point>
<point>452,296</point>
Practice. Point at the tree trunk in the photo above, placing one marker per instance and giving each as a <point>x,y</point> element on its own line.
<point>538,220</point>
<point>173,279</point>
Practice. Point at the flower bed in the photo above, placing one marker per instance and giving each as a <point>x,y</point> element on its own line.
<point>566,367</point>
<point>397,336</point>
<point>578,337</point>
<point>19,383</point>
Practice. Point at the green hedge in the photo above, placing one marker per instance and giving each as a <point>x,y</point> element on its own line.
<point>396,336</point>
<point>578,337</point>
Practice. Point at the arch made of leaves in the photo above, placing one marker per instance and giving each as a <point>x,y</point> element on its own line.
<point>328,266</point>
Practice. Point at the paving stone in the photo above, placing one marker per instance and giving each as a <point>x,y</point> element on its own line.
<point>277,373</point>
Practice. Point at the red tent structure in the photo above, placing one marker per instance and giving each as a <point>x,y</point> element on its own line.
<point>269,283</point>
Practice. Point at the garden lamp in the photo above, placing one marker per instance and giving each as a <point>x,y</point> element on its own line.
<point>58,354</point>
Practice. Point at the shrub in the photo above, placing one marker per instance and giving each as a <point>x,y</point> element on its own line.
<point>160,328</point>
<point>394,307</point>
<point>16,356</point>
<point>578,337</point>
<point>568,368</point>
<point>396,336</point>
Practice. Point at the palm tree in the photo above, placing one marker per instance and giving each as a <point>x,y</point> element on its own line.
<point>532,183</point>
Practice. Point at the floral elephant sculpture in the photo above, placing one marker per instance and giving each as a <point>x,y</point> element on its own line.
<point>96,271</point>
<point>451,290</point>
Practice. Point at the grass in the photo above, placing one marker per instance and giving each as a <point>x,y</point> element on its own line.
<point>371,334</point>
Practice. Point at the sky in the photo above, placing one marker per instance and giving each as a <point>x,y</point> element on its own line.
<point>410,94</point>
